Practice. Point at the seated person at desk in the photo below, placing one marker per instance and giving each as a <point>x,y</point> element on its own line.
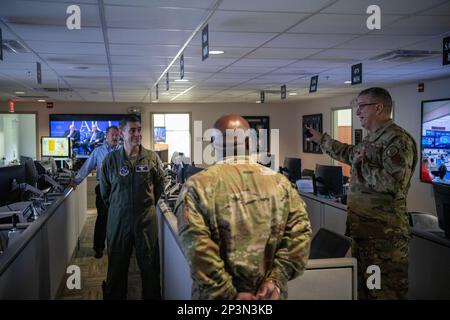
<point>424,171</point>
<point>74,136</point>
<point>96,139</point>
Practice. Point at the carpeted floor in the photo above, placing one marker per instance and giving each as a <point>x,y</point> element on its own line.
<point>93,271</point>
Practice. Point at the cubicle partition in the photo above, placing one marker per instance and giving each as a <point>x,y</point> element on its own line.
<point>34,266</point>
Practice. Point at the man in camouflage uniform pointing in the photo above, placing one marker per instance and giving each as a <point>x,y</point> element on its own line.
<point>382,167</point>
<point>243,228</point>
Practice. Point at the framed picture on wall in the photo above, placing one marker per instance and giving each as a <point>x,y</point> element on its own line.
<point>313,121</point>
<point>260,122</point>
<point>358,136</point>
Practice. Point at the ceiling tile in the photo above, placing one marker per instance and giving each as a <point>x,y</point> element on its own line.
<point>338,24</point>
<point>403,7</point>
<point>236,21</point>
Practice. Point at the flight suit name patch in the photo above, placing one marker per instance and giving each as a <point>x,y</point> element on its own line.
<point>142,168</point>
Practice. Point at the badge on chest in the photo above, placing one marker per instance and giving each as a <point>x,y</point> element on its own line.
<point>124,171</point>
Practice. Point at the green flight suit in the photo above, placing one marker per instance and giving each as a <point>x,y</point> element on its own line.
<point>239,225</point>
<point>130,192</point>
<point>382,167</point>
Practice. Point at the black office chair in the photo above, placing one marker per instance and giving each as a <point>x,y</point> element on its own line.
<point>328,244</point>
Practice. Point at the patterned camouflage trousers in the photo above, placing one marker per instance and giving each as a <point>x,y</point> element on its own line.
<point>391,256</point>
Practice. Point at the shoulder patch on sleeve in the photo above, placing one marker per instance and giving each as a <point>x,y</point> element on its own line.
<point>392,151</point>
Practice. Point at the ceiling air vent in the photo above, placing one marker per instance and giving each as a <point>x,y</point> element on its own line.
<point>14,47</point>
<point>404,55</point>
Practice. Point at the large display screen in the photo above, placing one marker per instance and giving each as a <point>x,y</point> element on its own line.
<point>82,140</point>
<point>57,147</point>
<point>435,142</point>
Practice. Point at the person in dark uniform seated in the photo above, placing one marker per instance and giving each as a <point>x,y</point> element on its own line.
<point>96,139</point>
<point>74,136</point>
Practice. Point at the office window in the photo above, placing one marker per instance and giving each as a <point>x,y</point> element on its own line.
<point>342,131</point>
<point>17,137</point>
<point>171,133</point>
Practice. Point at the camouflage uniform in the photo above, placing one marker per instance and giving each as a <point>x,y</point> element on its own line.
<point>241,224</point>
<point>382,167</point>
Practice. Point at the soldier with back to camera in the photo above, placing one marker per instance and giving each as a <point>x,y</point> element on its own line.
<point>243,227</point>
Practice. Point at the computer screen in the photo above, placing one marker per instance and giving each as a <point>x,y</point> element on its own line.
<point>435,141</point>
<point>294,168</point>
<point>56,147</point>
<point>31,172</point>
<point>442,199</point>
<point>329,180</point>
<point>190,170</point>
<point>7,175</point>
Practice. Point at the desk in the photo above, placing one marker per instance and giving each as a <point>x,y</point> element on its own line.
<point>33,267</point>
<point>325,213</point>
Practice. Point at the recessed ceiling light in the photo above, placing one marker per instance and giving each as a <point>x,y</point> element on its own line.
<point>20,92</point>
<point>347,82</point>
<point>216,52</point>
<point>181,80</point>
<point>41,100</point>
<point>293,93</point>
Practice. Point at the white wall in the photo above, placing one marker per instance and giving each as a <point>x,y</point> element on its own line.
<point>9,137</point>
<point>27,135</point>
<point>407,112</point>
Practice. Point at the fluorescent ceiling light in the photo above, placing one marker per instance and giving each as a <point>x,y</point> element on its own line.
<point>40,100</point>
<point>216,52</point>
<point>20,92</point>
<point>293,93</point>
<point>155,101</point>
<point>347,82</point>
<point>258,101</point>
<point>181,80</point>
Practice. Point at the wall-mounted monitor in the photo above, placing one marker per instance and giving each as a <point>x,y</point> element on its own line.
<point>82,139</point>
<point>435,141</point>
<point>57,147</point>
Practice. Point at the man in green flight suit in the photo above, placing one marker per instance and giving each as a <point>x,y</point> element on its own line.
<point>243,227</point>
<point>131,183</point>
<point>381,169</point>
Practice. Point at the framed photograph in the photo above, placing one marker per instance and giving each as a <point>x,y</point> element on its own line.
<point>260,122</point>
<point>313,121</point>
<point>358,136</point>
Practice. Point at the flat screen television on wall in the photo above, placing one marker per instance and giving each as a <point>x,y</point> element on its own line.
<point>435,141</point>
<point>82,142</point>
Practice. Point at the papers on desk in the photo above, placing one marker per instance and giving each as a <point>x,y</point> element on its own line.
<point>305,185</point>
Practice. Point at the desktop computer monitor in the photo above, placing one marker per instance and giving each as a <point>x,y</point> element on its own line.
<point>442,198</point>
<point>7,175</point>
<point>329,180</point>
<point>57,147</point>
<point>294,168</point>
<point>31,172</point>
<point>190,170</point>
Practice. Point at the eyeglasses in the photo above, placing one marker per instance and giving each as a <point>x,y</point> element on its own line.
<point>363,105</point>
